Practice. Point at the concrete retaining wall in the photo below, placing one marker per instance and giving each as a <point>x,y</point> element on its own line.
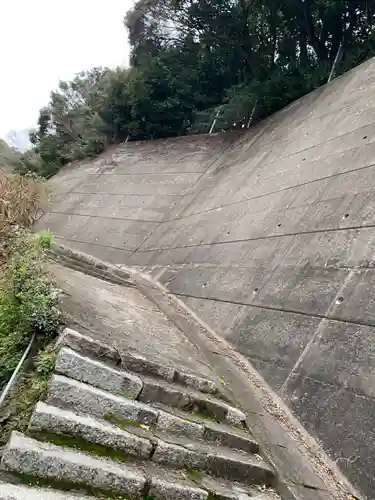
<point>269,237</point>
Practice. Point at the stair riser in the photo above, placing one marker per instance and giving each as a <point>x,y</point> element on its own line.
<point>76,470</point>
<point>82,398</point>
<point>154,392</point>
<point>59,465</point>
<point>73,365</point>
<point>245,472</point>
<point>134,363</point>
<point>12,492</point>
<point>50,421</point>
<point>76,430</point>
<point>220,438</point>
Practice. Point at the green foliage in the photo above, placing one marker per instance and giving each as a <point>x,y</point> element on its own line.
<point>29,389</point>
<point>45,362</point>
<point>79,443</point>
<point>44,238</point>
<point>191,59</point>
<point>28,300</point>
<point>120,422</point>
<point>63,485</point>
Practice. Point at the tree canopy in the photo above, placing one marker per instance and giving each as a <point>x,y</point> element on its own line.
<point>193,59</point>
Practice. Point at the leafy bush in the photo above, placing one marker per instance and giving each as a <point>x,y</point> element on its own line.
<point>45,362</point>
<point>28,299</point>
<point>44,238</point>
<point>30,388</point>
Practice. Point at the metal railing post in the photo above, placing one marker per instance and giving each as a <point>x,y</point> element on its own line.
<point>13,378</point>
<point>214,121</point>
<point>252,114</point>
<point>338,55</point>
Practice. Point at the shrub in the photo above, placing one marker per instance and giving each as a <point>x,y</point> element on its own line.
<point>30,388</point>
<point>28,299</point>
<point>21,201</point>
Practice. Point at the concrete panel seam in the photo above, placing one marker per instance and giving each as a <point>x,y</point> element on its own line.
<point>91,243</point>
<point>316,145</point>
<point>318,331</point>
<point>122,194</point>
<point>243,240</point>
<point>221,151</point>
<point>270,308</point>
<point>245,200</point>
<point>318,118</point>
<point>102,217</point>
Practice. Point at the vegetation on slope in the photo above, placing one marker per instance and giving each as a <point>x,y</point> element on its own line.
<point>28,300</point>
<point>28,297</point>
<point>192,59</point>
<point>9,157</point>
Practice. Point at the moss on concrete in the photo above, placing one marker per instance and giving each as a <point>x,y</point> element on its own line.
<point>63,485</point>
<point>121,422</point>
<point>194,474</point>
<point>81,444</point>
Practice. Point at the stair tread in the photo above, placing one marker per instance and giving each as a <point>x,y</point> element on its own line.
<point>16,492</point>
<point>211,449</point>
<point>194,396</point>
<point>234,490</point>
<point>26,455</point>
<point>84,398</point>
<point>144,388</point>
<point>224,491</point>
<point>50,419</point>
<point>133,362</point>
<point>69,429</point>
<point>90,371</point>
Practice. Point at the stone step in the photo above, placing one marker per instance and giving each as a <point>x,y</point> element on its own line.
<point>82,398</point>
<point>220,462</point>
<point>185,424</point>
<point>133,362</point>
<point>145,389</point>
<point>161,392</point>
<point>224,435</point>
<point>55,465</point>
<point>221,489</point>
<point>96,273</point>
<point>217,490</point>
<point>48,421</point>
<point>31,458</point>
<point>74,365</point>
<point>15,492</point>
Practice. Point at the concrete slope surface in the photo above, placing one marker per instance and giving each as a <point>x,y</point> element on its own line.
<point>268,236</point>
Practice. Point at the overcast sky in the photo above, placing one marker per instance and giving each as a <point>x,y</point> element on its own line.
<point>42,42</point>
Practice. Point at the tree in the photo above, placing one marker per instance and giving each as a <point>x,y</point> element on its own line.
<point>191,58</point>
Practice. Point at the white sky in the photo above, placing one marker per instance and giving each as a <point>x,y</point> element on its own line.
<point>42,42</point>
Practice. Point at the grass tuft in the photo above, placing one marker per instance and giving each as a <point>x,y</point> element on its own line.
<point>31,387</point>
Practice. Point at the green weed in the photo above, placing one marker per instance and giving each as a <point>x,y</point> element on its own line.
<point>30,388</point>
<point>28,300</point>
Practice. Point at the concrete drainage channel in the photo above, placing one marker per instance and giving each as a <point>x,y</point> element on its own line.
<point>145,431</point>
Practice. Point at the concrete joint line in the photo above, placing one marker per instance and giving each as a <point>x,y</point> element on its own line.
<point>319,330</point>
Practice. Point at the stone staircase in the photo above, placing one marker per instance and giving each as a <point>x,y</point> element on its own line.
<point>119,426</point>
